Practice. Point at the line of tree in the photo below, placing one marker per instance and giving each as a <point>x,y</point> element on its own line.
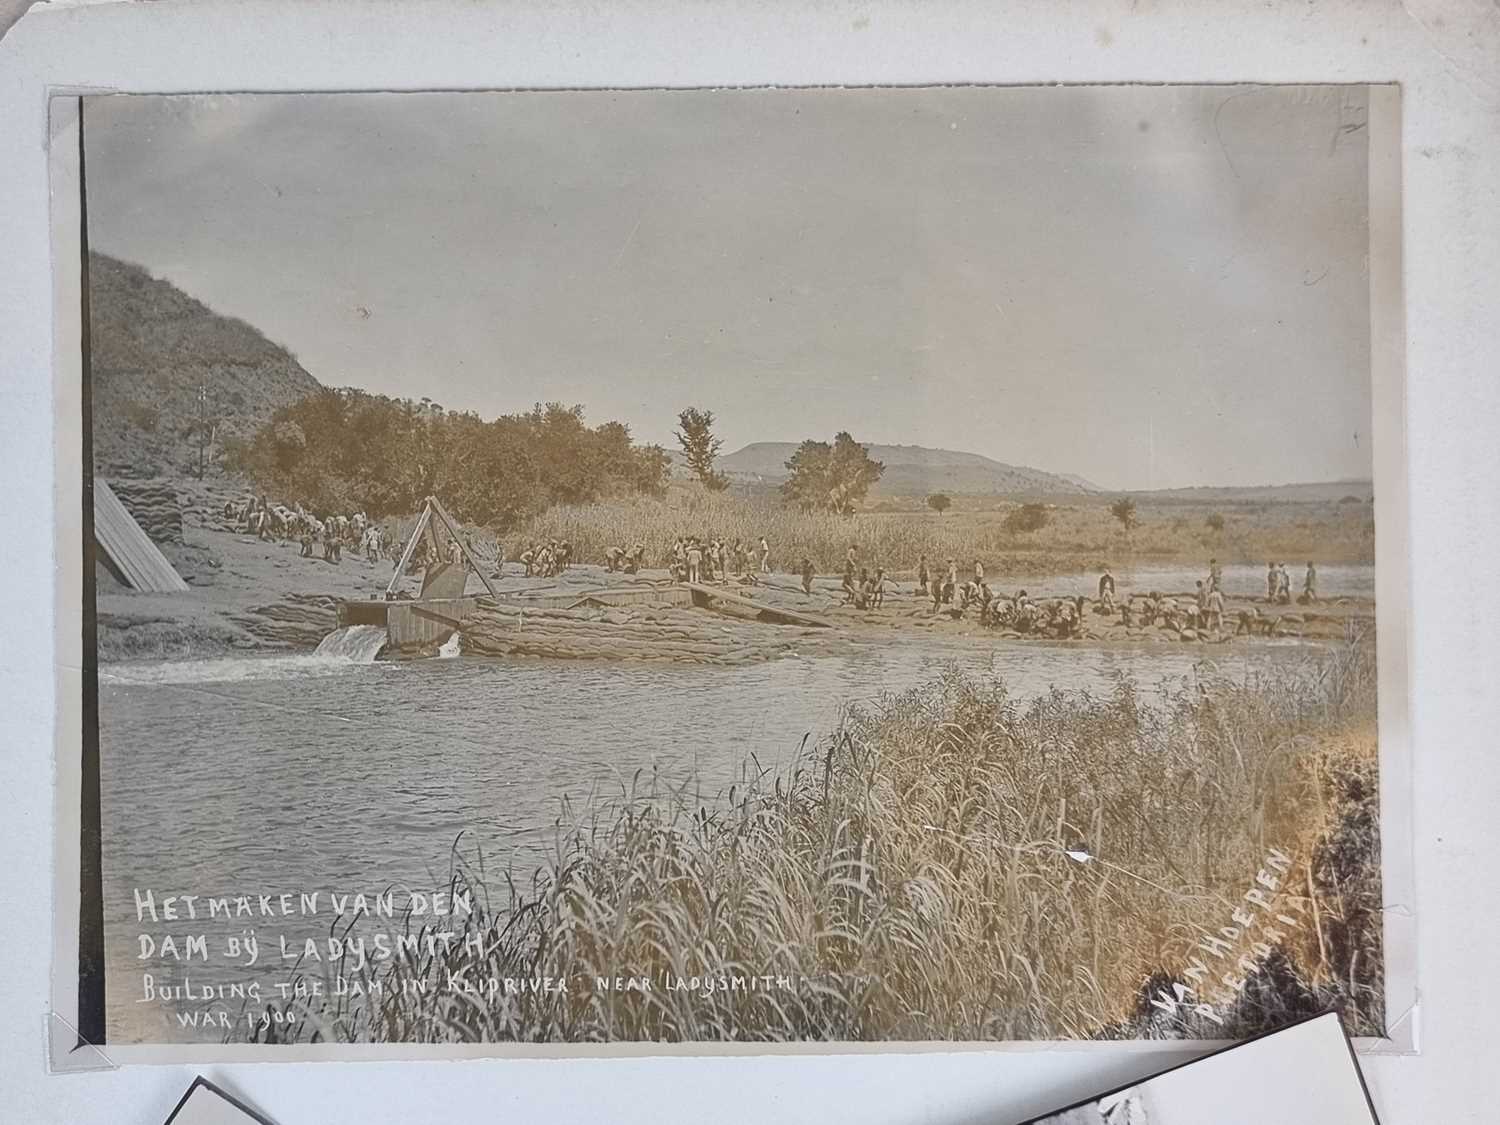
<point>347,450</point>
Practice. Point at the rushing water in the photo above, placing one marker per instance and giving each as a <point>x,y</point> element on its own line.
<point>330,772</point>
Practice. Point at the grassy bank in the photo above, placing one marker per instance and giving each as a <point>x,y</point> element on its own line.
<point>913,878</point>
<point>1077,536</point>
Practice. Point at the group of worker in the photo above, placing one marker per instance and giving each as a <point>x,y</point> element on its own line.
<point>546,560</point>
<point>1061,617</point>
<point>715,559</point>
<point>1279,584</point>
<point>277,522</point>
<point>627,560</point>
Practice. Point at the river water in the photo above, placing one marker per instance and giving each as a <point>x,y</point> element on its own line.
<point>330,772</point>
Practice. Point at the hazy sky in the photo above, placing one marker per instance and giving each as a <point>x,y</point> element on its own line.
<point>1148,286</point>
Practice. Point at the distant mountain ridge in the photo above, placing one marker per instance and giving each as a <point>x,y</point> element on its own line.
<point>152,348</point>
<point>911,470</point>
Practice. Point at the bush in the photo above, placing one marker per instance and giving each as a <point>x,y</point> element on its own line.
<point>1123,510</point>
<point>1215,522</point>
<point>1026,518</point>
<point>939,503</point>
<point>346,450</point>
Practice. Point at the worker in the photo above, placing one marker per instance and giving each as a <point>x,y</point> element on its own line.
<point>765,556</point>
<point>1310,584</point>
<point>1273,582</point>
<point>1214,616</point>
<point>856,592</point>
<point>612,558</point>
<point>694,560</point>
<point>1215,576</point>
<point>978,573</point>
<point>807,575</point>
<point>922,576</point>
<point>1107,589</point>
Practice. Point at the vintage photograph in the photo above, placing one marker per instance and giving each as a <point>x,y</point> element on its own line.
<point>743,566</point>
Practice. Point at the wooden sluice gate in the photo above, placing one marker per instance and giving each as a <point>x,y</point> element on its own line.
<point>410,624</point>
<point>421,625</point>
<point>424,623</point>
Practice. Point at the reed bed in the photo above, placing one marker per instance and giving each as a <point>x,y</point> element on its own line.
<point>951,864</point>
<point>1077,536</point>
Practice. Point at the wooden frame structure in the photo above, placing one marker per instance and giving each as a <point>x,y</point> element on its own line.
<point>432,509</point>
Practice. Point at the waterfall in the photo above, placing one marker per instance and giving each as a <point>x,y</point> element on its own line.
<point>353,644</point>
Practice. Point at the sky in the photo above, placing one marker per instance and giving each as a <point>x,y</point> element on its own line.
<point>1147,286</point>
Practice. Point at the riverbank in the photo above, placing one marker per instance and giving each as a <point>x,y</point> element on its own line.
<point>247,596</point>
<point>952,865</point>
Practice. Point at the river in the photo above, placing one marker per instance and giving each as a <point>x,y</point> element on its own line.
<point>330,772</point>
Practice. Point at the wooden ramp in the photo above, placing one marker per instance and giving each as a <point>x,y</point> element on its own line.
<point>601,597</point>
<point>127,550</point>
<point>705,596</point>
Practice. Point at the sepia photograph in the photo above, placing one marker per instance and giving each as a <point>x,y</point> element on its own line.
<point>737,566</point>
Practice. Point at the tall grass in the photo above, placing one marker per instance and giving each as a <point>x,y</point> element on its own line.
<point>912,877</point>
<point>1076,536</point>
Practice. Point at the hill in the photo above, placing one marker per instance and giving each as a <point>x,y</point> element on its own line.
<point>910,470</point>
<point>1312,492</point>
<point>154,348</point>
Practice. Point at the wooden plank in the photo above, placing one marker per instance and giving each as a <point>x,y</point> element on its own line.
<point>411,547</point>
<point>429,623</point>
<point>545,596</point>
<point>444,580</point>
<point>128,548</point>
<point>703,594</point>
<point>633,595</point>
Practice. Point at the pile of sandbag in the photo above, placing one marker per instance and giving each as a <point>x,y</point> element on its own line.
<point>298,621</point>
<point>155,505</point>
<point>625,633</point>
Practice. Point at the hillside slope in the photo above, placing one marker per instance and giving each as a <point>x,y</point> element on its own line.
<point>153,349</point>
<point>911,470</point>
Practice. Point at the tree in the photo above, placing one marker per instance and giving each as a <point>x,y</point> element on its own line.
<point>700,448</point>
<point>939,503</point>
<point>1123,510</point>
<point>1215,522</point>
<point>1028,517</point>
<point>830,478</point>
<point>348,450</point>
